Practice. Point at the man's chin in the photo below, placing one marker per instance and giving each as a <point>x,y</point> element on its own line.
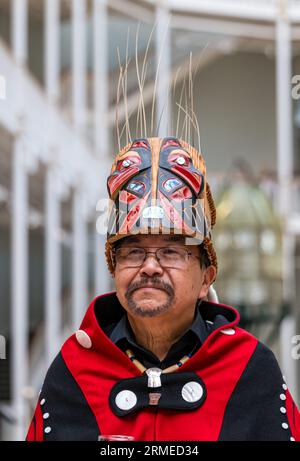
<point>154,299</point>
<point>150,309</point>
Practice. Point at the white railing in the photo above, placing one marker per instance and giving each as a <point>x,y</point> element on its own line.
<point>26,108</point>
<point>244,9</point>
<point>256,10</point>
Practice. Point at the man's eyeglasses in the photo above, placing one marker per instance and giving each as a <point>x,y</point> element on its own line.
<point>168,257</point>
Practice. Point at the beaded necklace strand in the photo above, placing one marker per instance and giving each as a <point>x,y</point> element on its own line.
<point>170,369</point>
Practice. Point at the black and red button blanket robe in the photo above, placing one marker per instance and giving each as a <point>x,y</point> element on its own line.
<point>246,395</point>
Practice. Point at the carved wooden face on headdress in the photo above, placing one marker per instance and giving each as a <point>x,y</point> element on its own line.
<point>159,186</point>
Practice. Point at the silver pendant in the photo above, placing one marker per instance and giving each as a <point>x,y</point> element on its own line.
<point>154,377</point>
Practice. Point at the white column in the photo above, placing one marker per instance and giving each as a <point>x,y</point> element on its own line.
<point>53,266</point>
<point>102,276</point>
<point>285,174</point>
<point>101,129</point>
<point>19,30</point>
<point>80,258</point>
<point>284,109</point>
<point>19,285</point>
<point>163,60</point>
<point>288,325</point>
<point>52,205</point>
<point>52,33</point>
<point>79,62</point>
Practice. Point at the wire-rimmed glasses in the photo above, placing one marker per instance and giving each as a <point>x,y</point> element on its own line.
<point>168,257</point>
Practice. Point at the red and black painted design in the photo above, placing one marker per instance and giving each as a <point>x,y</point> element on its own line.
<point>134,161</point>
<point>156,173</point>
<point>174,158</point>
<point>246,396</point>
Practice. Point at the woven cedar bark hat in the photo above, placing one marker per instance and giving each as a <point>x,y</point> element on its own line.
<point>158,186</point>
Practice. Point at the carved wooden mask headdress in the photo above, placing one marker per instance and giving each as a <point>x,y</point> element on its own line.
<point>158,185</point>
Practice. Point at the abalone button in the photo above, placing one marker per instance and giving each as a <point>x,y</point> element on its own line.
<point>83,339</point>
<point>192,392</point>
<point>228,331</point>
<point>180,160</point>
<point>125,400</point>
<point>126,163</point>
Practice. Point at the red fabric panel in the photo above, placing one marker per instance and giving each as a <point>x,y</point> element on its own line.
<point>36,428</point>
<point>104,365</point>
<point>293,416</point>
<point>220,363</point>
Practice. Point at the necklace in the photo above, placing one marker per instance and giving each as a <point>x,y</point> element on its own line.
<point>170,369</point>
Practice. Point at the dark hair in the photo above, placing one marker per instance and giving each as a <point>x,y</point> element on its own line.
<point>204,258</point>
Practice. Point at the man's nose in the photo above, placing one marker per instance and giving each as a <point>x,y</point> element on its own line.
<point>151,266</point>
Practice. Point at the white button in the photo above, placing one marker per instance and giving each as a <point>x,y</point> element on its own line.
<point>47,430</point>
<point>126,163</point>
<point>283,410</point>
<point>284,386</point>
<point>192,392</point>
<point>282,397</point>
<point>43,401</point>
<point>125,400</point>
<point>292,439</point>
<point>180,160</point>
<point>46,415</point>
<point>83,339</point>
<point>285,425</point>
<point>228,331</point>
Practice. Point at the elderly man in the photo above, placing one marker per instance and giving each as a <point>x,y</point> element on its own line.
<point>157,359</point>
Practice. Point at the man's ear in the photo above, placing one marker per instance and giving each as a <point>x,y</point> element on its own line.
<point>209,275</point>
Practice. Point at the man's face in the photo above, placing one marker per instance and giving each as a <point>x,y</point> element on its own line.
<point>152,290</point>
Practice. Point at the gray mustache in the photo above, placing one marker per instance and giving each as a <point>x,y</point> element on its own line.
<point>154,282</point>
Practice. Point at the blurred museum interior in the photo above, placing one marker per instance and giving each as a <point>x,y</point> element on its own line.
<point>59,73</point>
